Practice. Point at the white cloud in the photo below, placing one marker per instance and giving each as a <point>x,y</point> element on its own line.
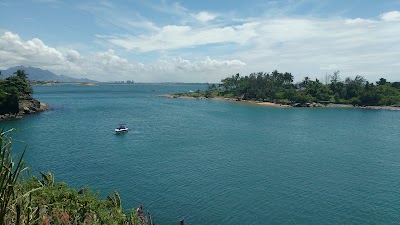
<point>176,37</point>
<point>107,66</point>
<point>358,21</point>
<point>391,16</point>
<point>314,46</point>
<point>72,55</point>
<point>301,45</point>
<point>205,65</point>
<point>204,16</point>
<point>12,48</point>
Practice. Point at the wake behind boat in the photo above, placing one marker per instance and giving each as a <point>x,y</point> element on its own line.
<point>121,129</point>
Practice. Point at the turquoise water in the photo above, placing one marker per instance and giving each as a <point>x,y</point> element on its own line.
<point>218,162</point>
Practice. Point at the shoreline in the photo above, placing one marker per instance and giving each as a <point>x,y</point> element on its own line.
<point>31,106</point>
<point>278,105</point>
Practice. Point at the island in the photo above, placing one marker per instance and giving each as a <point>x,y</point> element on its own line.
<point>278,89</point>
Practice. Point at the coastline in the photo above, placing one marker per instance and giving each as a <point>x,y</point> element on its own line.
<point>26,107</point>
<point>278,105</point>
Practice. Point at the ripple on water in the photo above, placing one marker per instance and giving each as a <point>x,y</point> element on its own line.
<point>216,162</point>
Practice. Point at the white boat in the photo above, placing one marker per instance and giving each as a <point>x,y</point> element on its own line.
<point>121,129</point>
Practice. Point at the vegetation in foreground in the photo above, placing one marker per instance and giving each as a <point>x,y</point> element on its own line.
<point>43,201</point>
<point>279,87</point>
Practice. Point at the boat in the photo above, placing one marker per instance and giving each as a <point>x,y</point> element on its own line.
<point>121,129</point>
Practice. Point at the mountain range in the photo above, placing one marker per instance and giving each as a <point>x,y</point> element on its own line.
<point>37,74</point>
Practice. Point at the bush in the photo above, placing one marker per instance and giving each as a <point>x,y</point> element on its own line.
<point>43,201</point>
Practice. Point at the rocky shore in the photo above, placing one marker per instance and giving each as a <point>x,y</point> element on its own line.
<point>285,105</point>
<point>27,105</point>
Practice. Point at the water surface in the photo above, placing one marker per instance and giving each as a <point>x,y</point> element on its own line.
<point>217,162</point>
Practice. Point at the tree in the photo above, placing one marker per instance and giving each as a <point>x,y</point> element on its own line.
<point>381,81</point>
<point>287,78</point>
<point>318,90</point>
<point>9,100</point>
<point>275,81</point>
<point>353,86</point>
<point>305,82</point>
<point>12,89</point>
<point>396,84</point>
<point>279,86</point>
<point>335,77</point>
<point>23,85</point>
<point>230,83</point>
<point>21,74</point>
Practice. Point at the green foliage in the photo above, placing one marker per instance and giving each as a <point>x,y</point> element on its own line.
<point>22,84</point>
<point>9,99</point>
<point>9,173</point>
<point>278,86</point>
<point>354,101</point>
<point>44,201</point>
<point>58,204</point>
<point>381,81</point>
<point>257,86</point>
<point>47,179</point>
<point>21,74</point>
<point>12,89</point>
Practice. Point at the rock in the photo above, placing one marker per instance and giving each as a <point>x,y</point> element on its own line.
<point>27,105</point>
<point>26,110</point>
<point>43,107</point>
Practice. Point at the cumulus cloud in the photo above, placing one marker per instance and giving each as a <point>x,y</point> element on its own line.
<point>205,65</point>
<point>107,65</point>
<point>12,49</point>
<point>311,46</point>
<point>302,45</point>
<point>391,16</point>
<point>305,46</point>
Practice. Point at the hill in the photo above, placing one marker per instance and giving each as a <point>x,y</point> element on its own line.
<point>36,74</point>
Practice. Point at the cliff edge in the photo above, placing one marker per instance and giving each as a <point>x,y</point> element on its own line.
<point>26,105</point>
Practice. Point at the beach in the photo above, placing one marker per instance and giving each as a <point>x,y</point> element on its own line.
<point>279,105</point>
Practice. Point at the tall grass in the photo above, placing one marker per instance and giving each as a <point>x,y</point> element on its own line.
<point>9,173</point>
<point>45,201</point>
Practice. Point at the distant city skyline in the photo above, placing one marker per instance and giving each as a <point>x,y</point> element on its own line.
<point>201,41</point>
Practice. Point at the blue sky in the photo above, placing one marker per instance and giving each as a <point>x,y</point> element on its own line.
<point>201,41</point>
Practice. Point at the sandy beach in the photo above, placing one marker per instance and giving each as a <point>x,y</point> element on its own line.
<point>277,105</point>
<point>250,102</point>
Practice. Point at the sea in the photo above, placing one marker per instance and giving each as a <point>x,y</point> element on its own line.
<point>217,162</point>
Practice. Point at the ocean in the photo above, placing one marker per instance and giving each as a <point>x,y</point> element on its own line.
<point>217,162</point>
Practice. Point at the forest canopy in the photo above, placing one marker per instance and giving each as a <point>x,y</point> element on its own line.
<point>279,87</point>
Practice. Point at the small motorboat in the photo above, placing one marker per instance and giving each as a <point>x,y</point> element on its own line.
<point>121,129</point>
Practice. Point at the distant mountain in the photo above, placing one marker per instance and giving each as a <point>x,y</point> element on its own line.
<point>36,74</point>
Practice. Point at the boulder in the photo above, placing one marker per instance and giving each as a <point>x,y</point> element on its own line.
<point>28,105</point>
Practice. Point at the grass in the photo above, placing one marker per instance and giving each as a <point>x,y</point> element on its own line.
<point>44,201</point>
<point>9,173</point>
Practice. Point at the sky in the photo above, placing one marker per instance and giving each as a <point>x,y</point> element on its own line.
<point>202,41</point>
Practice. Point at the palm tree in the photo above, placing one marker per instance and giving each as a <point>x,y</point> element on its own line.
<point>288,78</point>
<point>21,74</point>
